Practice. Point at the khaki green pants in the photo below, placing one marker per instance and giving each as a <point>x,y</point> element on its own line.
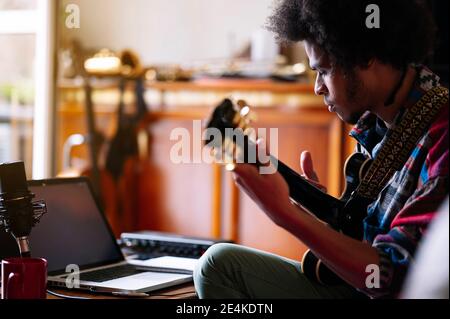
<point>232,271</point>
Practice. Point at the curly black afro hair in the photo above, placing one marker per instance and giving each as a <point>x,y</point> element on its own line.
<point>406,34</point>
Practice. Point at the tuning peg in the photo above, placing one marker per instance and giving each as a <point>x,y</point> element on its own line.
<point>247,114</point>
<point>245,111</point>
<point>230,167</point>
<point>241,103</point>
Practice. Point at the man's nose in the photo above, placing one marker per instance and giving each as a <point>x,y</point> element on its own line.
<point>319,86</point>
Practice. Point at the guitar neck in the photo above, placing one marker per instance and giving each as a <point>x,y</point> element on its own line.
<point>322,205</point>
<point>307,195</point>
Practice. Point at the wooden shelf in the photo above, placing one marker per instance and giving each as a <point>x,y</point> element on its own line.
<point>235,85</point>
<point>208,85</point>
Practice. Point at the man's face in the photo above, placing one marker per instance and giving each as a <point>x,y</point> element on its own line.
<point>343,92</point>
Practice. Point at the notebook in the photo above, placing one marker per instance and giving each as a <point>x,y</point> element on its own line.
<point>75,234</point>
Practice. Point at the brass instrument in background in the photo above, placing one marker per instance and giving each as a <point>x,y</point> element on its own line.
<point>107,63</point>
<point>127,64</point>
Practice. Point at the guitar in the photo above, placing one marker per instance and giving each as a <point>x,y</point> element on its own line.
<point>115,183</point>
<point>123,160</point>
<point>343,214</point>
<point>102,181</point>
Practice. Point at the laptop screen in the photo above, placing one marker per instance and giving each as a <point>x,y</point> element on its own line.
<point>74,230</point>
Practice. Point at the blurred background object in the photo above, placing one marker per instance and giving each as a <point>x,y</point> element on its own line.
<point>104,63</point>
<point>428,277</point>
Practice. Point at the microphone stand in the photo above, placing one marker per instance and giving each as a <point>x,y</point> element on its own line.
<point>18,213</point>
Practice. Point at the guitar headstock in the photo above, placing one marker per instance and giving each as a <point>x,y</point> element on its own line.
<point>228,115</point>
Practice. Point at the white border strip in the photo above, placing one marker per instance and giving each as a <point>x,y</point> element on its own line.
<point>43,111</point>
<point>18,21</point>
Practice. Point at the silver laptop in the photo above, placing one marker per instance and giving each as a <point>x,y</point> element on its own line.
<point>74,233</point>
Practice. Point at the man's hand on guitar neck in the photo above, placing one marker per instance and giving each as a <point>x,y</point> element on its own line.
<point>258,186</point>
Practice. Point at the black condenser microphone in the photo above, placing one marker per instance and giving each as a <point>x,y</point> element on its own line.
<point>18,213</point>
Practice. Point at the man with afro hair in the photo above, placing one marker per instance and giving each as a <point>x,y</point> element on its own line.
<point>369,75</point>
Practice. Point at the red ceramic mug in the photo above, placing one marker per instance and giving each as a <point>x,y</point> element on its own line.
<point>24,278</point>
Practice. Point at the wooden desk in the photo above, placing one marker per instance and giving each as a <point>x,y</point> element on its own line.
<point>184,291</point>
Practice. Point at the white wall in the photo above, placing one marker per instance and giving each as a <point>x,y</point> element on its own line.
<point>170,31</point>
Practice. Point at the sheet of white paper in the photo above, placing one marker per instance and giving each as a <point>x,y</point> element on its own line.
<point>167,262</point>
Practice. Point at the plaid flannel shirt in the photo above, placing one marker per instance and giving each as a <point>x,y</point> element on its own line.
<point>398,218</point>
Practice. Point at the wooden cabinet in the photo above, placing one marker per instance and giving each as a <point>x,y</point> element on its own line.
<point>200,199</point>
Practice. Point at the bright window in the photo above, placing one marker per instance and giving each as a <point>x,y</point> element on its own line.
<point>24,26</point>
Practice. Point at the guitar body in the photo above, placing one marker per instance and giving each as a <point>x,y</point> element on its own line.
<point>123,159</point>
<point>355,168</point>
<point>316,270</point>
<point>102,181</point>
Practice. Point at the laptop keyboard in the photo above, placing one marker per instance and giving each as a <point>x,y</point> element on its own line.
<point>111,273</point>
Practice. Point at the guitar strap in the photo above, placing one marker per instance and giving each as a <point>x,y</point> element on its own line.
<point>401,141</point>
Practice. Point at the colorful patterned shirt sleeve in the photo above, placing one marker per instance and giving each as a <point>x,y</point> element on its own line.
<point>398,246</point>
<point>399,217</point>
